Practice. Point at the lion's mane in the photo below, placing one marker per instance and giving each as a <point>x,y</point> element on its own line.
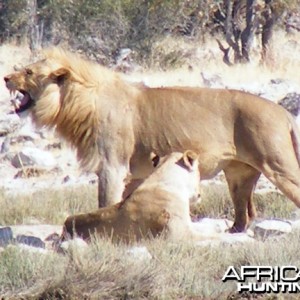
<point>72,106</point>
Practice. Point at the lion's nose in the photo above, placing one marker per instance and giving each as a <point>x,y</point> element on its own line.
<point>6,78</point>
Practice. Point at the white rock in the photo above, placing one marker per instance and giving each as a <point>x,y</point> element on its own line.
<point>32,249</point>
<point>74,243</point>
<point>29,156</point>
<point>232,238</point>
<point>27,248</point>
<point>208,226</point>
<point>139,253</point>
<point>9,123</point>
<point>27,132</point>
<point>268,228</point>
<point>295,224</point>
<point>227,238</point>
<point>40,231</point>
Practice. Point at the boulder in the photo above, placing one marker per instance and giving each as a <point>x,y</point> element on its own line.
<point>32,241</point>
<point>141,253</point>
<point>40,231</point>
<point>9,123</point>
<point>29,156</point>
<point>5,144</point>
<point>291,102</point>
<point>209,226</point>
<point>76,244</point>
<point>6,236</point>
<point>233,238</point>
<point>27,133</point>
<point>227,238</point>
<point>213,80</point>
<point>267,228</point>
<point>216,231</point>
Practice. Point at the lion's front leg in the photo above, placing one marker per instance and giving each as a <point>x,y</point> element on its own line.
<point>111,184</point>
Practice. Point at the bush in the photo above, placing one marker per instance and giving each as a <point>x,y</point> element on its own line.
<point>102,28</point>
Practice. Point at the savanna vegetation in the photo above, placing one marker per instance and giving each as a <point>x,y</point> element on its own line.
<point>117,271</point>
<point>101,28</point>
<point>163,35</point>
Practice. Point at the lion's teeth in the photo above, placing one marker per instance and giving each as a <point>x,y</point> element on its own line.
<point>16,103</point>
<point>12,92</point>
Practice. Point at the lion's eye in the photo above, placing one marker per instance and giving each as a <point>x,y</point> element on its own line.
<point>28,71</point>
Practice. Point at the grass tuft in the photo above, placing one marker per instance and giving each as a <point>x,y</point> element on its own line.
<point>107,271</point>
<point>47,206</point>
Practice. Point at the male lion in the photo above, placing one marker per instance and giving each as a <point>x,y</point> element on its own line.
<point>115,125</point>
<point>160,204</point>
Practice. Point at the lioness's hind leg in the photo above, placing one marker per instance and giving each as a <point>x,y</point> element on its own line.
<point>242,179</point>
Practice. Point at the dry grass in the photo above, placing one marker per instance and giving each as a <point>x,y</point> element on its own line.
<point>216,202</point>
<point>53,206</point>
<point>46,206</point>
<point>107,271</point>
<point>181,64</point>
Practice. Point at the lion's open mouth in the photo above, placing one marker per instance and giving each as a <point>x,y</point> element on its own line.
<point>21,101</point>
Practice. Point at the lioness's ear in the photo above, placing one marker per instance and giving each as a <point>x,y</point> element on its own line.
<point>60,75</point>
<point>155,159</point>
<point>190,159</point>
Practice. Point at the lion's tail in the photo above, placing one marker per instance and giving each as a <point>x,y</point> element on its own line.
<point>295,135</point>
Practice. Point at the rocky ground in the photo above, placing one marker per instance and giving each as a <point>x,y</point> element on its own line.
<point>32,158</point>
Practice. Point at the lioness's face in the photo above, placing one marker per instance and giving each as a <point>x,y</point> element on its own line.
<point>182,171</point>
<point>32,82</point>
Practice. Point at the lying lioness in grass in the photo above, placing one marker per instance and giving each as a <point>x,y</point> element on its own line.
<point>160,204</point>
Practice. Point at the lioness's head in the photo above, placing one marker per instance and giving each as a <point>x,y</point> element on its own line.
<point>179,173</point>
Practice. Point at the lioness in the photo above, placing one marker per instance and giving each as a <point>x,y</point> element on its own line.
<point>115,124</point>
<point>159,204</point>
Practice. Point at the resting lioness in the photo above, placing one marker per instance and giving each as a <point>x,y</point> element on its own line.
<point>159,204</point>
<point>115,125</point>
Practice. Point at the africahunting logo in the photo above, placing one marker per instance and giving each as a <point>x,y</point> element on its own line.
<point>264,279</point>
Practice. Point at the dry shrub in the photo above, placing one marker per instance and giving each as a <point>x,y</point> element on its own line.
<point>107,271</point>
<point>216,202</point>
<point>53,206</point>
<point>23,273</point>
<point>48,205</point>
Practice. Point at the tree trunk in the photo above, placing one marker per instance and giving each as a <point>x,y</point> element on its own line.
<point>267,29</point>
<point>248,33</point>
<point>34,30</point>
<point>229,31</point>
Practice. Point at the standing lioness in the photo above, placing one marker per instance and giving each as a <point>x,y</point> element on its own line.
<point>160,204</point>
<point>115,125</point>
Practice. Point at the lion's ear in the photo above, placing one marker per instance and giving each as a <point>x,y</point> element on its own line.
<point>190,159</point>
<point>60,75</point>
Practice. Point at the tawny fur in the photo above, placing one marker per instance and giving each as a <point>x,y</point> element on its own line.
<point>159,205</point>
<point>115,125</point>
